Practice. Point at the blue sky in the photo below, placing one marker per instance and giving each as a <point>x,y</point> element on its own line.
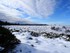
<point>36,11</point>
<point>61,14</point>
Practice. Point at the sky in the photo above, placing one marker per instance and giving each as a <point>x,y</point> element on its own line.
<point>35,11</point>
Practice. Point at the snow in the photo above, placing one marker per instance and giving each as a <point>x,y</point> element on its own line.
<point>39,44</point>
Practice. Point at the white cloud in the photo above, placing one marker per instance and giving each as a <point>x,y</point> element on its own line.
<point>10,14</point>
<point>42,8</point>
<point>13,19</point>
<point>16,8</point>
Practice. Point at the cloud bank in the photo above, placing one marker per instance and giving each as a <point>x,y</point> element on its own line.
<point>13,19</point>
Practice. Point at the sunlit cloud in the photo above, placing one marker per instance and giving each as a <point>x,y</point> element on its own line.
<point>13,19</point>
<point>41,8</point>
<point>27,10</point>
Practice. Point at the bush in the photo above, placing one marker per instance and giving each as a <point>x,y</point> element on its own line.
<point>64,27</point>
<point>51,35</point>
<point>55,28</point>
<point>7,39</point>
<point>67,31</point>
<point>35,34</point>
<point>30,38</point>
<point>67,37</point>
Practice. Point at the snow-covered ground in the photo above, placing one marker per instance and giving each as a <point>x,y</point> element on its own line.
<point>40,44</point>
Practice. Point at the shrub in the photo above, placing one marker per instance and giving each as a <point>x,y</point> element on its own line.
<point>67,31</point>
<point>64,27</point>
<point>30,38</point>
<point>51,35</point>
<point>35,34</point>
<point>55,28</point>
<point>67,37</point>
<point>7,39</point>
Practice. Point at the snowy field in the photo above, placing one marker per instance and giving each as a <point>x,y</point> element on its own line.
<point>41,39</point>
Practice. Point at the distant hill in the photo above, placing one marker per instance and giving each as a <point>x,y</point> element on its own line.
<point>7,23</point>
